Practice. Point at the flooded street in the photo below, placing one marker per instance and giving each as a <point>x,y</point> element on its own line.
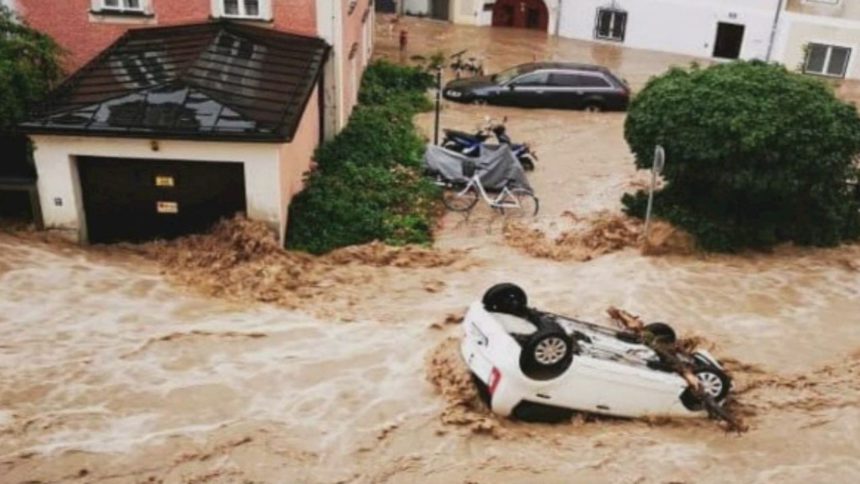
<point>114,371</point>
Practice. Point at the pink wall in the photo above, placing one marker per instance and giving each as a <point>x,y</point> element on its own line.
<point>353,33</point>
<point>296,157</point>
<point>84,35</point>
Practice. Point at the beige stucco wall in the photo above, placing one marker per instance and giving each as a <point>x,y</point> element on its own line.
<point>265,169</point>
<point>798,30</point>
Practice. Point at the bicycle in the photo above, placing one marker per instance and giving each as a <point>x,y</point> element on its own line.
<point>517,200</point>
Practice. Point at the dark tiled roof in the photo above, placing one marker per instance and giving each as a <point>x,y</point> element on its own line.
<point>217,80</point>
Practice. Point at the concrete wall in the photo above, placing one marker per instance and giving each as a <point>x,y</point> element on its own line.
<point>680,26</point>
<point>353,61</point>
<point>84,35</point>
<point>60,190</point>
<point>798,30</point>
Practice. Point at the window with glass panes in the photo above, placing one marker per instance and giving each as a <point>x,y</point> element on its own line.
<point>827,60</point>
<point>611,24</point>
<point>241,8</point>
<point>122,4</point>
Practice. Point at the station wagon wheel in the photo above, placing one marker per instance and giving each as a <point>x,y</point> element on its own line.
<point>593,107</point>
<point>550,351</point>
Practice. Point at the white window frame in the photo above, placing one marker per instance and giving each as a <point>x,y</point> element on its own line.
<point>264,6</point>
<point>833,3</point>
<point>615,14</point>
<point>121,6</point>
<point>830,47</point>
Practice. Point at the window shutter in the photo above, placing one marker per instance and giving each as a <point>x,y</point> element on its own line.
<point>147,7</point>
<point>620,25</point>
<point>217,10</point>
<point>95,5</point>
<point>266,12</point>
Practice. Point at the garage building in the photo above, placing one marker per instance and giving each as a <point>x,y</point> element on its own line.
<point>173,128</point>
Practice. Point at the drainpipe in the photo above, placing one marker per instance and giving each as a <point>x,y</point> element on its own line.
<point>774,30</point>
<point>558,19</point>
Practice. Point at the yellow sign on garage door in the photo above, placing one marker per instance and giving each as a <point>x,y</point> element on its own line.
<point>167,207</point>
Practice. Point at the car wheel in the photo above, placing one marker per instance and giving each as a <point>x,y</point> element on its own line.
<point>593,107</point>
<point>547,353</point>
<point>506,298</point>
<point>714,383</point>
<point>540,412</point>
<point>661,333</point>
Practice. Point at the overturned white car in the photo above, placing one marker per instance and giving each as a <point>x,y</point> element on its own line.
<point>539,366</point>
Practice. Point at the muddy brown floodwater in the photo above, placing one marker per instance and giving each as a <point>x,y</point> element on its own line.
<point>114,369</point>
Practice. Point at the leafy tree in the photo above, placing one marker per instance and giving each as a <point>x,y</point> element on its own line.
<point>756,155</point>
<point>29,68</point>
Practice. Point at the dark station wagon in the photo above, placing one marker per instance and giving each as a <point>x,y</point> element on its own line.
<point>545,85</point>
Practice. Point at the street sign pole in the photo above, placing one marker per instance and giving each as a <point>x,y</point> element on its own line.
<point>656,169</point>
<point>438,105</point>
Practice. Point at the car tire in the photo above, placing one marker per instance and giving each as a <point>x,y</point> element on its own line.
<point>715,383</point>
<point>547,353</point>
<point>661,333</point>
<point>506,298</point>
<point>593,107</point>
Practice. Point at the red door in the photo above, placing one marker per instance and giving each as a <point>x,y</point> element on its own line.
<point>524,14</point>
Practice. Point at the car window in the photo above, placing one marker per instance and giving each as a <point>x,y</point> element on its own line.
<point>505,76</point>
<point>565,79</point>
<point>534,79</point>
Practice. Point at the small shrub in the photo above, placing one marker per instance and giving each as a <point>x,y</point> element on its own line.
<point>369,184</point>
<point>756,155</point>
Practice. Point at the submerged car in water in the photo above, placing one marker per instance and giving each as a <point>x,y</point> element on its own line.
<point>545,85</point>
<point>539,366</point>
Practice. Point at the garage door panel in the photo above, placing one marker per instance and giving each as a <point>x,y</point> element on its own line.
<point>137,200</point>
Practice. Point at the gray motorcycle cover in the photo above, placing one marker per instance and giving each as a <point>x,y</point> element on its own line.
<point>495,166</point>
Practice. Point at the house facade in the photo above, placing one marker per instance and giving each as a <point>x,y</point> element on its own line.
<point>821,37</point>
<point>86,27</point>
<point>180,113</point>
<point>172,128</point>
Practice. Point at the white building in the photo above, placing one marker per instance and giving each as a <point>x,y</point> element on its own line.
<point>820,37</point>
<point>815,36</point>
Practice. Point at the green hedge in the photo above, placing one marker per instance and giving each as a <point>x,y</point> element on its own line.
<point>755,156</point>
<point>368,185</point>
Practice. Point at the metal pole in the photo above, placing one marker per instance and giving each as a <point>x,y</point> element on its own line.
<point>656,169</point>
<point>438,105</point>
<point>773,31</point>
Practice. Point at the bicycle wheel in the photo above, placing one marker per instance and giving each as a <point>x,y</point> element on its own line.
<point>460,199</point>
<point>527,204</point>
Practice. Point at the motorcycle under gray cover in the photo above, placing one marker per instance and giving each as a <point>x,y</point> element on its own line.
<point>495,166</point>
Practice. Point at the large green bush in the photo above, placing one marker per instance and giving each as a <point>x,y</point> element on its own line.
<point>368,185</point>
<point>756,155</point>
<point>29,68</point>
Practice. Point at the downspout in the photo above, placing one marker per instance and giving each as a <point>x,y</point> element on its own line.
<point>774,30</point>
<point>558,18</point>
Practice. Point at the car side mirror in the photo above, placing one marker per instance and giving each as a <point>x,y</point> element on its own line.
<point>511,87</point>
